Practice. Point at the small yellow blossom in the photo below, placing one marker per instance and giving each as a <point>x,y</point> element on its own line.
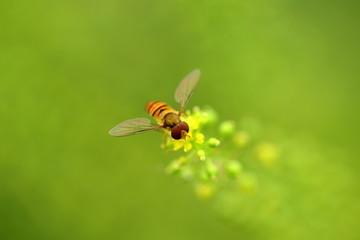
<point>193,122</point>
<point>199,138</point>
<point>187,146</point>
<point>211,164</point>
<point>177,145</point>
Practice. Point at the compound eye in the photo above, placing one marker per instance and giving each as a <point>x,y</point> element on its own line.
<point>184,126</point>
<point>176,132</point>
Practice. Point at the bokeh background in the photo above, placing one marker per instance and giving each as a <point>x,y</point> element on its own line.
<point>71,70</point>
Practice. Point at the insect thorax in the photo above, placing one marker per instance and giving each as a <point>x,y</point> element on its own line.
<point>171,120</point>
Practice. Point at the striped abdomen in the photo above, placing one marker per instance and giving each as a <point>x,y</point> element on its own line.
<point>158,109</point>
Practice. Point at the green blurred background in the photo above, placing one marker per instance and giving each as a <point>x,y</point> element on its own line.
<point>71,70</point>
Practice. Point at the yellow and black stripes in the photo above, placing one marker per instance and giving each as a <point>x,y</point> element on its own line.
<point>158,109</point>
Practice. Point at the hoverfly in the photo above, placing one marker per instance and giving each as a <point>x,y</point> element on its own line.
<point>167,117</point>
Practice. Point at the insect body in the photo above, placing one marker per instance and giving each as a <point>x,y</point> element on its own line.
<point>167,117</point>
<point>163,113</point>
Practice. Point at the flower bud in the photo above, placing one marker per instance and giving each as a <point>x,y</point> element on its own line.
<point>201,154</point>
<point>233,168</point>
<point>210,116</point>
<point>227,128</point>
<point>187,174</point>
<point>211,170</point>
<point>213,142</point>
<point>173,168</point>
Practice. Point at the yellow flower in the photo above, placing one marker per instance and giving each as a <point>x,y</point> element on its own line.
<point>199,138</point>
<point>187,146</point>
<point>177,145</point>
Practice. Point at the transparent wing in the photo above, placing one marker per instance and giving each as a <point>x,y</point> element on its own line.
<point>133,126</point>
<point>186,88</point>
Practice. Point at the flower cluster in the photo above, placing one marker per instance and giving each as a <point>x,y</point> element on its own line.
<point>217,155</point>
